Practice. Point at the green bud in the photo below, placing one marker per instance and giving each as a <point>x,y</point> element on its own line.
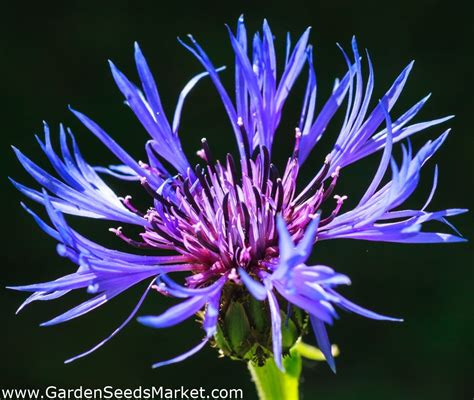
<point>244,329</point>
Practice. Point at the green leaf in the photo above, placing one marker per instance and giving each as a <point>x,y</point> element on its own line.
<point>313,353</point>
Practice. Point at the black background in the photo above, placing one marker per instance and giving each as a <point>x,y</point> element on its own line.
<point>55,54</point>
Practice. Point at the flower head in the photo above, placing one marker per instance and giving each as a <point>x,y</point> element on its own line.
<point>238,227</point>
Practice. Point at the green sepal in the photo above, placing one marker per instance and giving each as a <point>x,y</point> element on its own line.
<point>237,328</point>
<point>258,315</point>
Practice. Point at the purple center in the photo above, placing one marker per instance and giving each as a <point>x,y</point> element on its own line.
<point>224,218</point>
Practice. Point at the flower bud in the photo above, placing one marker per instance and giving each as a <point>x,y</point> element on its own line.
<point>244,329</point>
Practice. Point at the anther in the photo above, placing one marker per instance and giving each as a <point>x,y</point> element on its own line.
<point>161,288</point>
<point>234,276</point>
<point>340,199</point>
<point>197,227</point>
<point>225,209</point>
<point>280,195</point>
<point>231,168</point>
<point>265,168</point>
<point>207,152</point>
<point>143,165</point>
<point>201,154</point>
<point>296,149</point>
<point>335,174</point>
<point>258,199</point>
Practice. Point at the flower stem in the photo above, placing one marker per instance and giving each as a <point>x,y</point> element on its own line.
<point>273,384</point>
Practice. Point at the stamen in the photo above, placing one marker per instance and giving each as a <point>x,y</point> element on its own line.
<point>189,196</point>
<point>166,236</point>
<point>314,184</point>
<point>226,218</point>
<point>274,173</point>
<point>148,188</point>
<point>246,215</point>
<point>206,243</point>
<point>231,168</point>
<point>203,181</point>
<point>331,187</point>
<point>134,243</point>
<point>340,202</point>
<point>126,201</point>
<point>225,209</point>
<point>161,288</point>
<point>257,198</point>
<point>207,151</point>
<point>265,167</point>
<point>255,153</point>
<point>280,196</point>
<point>296,149</point>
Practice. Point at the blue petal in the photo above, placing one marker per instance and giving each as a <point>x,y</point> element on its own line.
<point>122,172</point>
<point>41,296</point>
<point>309,103</point>
<point>323,341</point>
<point>253,89</point>
<point>85,307</point>
<point>67,282</point>
<point>305,246</point>
<point>148,83</point>
<point>177,290</point>
<point>156,124</point>
<point>324,117</point>
<point>182,357</point>
<point>122,325</point>
<point>182,96</point>
<point>324,312</point>
<point>292,70</point>
<point>199,53</point>
<point>349,306</point>
<point>385,157</point>
<point>241,97</point>
<point>119,152</point>
<point>175,314</point>
<point>276,329</point>
<point>212,314</point>
<point>256,289</point>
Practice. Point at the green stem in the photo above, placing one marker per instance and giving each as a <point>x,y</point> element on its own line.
<point>273,384</point>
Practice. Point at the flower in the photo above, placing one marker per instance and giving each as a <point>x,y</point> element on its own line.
<point>240,230</point>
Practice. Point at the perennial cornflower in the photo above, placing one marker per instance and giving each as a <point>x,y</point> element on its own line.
<point>238,227</point>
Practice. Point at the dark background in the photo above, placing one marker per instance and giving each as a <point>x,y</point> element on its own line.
<point>56,55</point>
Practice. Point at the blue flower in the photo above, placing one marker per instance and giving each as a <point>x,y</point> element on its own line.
<point>236,225</point>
